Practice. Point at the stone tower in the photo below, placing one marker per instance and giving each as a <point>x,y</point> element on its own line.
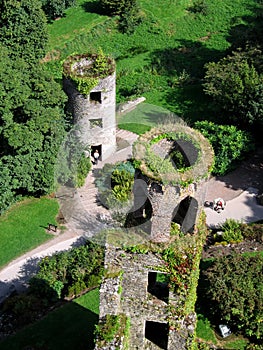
<point>89,81</point>
<point>164,193</point>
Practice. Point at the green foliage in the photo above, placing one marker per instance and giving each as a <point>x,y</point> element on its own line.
<point>23,29</point>
<point>176,230</point>
<point>56,8</point>
<point>83,169</point>
<point>130,17</point>
<point>229,143</point>
<point>32,127</point>
<point>107,331</point>
<point>253,231</point>
<point>199,7</point>
<point>72,166</point>
<point>237,87</point>
<point>67,273</point>
<point>84,86</point>
<point>112,327</point>
<point>98,67</point>
<point>114,183</point>
<point>232,231</point>
<point>116,7</point>
<point>233,288</point>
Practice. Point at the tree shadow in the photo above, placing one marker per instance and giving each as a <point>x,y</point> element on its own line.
<point>250,32</point>
<point>184,67</point>
<point>69,326</point>
<point>94,6</point>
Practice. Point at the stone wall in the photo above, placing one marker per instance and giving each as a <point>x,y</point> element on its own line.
<point>128,295</point>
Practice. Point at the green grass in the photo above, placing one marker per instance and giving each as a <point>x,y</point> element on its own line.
<point>69,327</point>
<point>163,59</point>
<point>77,20</point>
<point>22,227</point>
<point>205,332</point>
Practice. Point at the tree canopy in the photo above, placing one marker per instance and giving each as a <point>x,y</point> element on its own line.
<point>23,28</point>
<point>32,126</point>
<point>234,292</point>
<point>237,87</point>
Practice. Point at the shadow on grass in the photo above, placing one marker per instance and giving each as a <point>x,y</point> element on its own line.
<point>68,327</point>
<point>94,6</point>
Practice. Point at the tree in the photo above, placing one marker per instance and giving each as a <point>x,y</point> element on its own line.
<point>32,126</point>
<point>23,28</point>
<point>234,292</point>
<point>237,87</point>
<point>56,8</point>
<point>230,144</point>
<point>128,11</point>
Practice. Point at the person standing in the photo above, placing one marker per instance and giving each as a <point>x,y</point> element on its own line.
<point>96,156</point>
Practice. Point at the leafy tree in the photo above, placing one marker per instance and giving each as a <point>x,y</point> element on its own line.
<point>234,292</point>
<point>237,87</point>
<point>23,28</point>
<point>32,126</point>
<point>56,8</point>
<point>128,11</point>
<point>229,143</point>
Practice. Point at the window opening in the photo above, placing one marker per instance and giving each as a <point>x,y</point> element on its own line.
<point>95,96</point>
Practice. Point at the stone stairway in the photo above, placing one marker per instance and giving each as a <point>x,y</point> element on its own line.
<point>88,194</point>
<point>126,135</point>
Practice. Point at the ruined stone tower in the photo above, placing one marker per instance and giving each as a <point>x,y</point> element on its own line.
<point>166,191</point>
<point>89,81</point>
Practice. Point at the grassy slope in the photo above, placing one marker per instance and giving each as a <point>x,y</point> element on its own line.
<point>77,20</point>
<point>22,227</point>
<point>69,327</point>
<point>163,60</point>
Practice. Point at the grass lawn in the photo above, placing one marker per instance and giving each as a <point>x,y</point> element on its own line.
<point>22,227</point>
<point>205,332</point>
<point>164,58</point>
<point>69,327</point>
<point>79,18</point>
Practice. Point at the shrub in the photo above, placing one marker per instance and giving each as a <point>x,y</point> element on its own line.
<point>56,8</point>
<point>233,293</point>
<point>68,273</point>
<point>230,144</point>
<point>83,169</point>
<point>232,231</point>
<point>115,183</point>
<point>76,289</point>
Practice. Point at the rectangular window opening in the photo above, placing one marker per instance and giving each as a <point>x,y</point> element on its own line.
<point>157,333</point>
<point>95,123</point>
<point>158,285</point>
<point>95,97</point>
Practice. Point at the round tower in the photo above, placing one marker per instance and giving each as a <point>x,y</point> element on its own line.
<point>173,160</point>
<point>89,81</point>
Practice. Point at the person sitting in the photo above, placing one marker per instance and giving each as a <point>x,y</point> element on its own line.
<point>219,204</point>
